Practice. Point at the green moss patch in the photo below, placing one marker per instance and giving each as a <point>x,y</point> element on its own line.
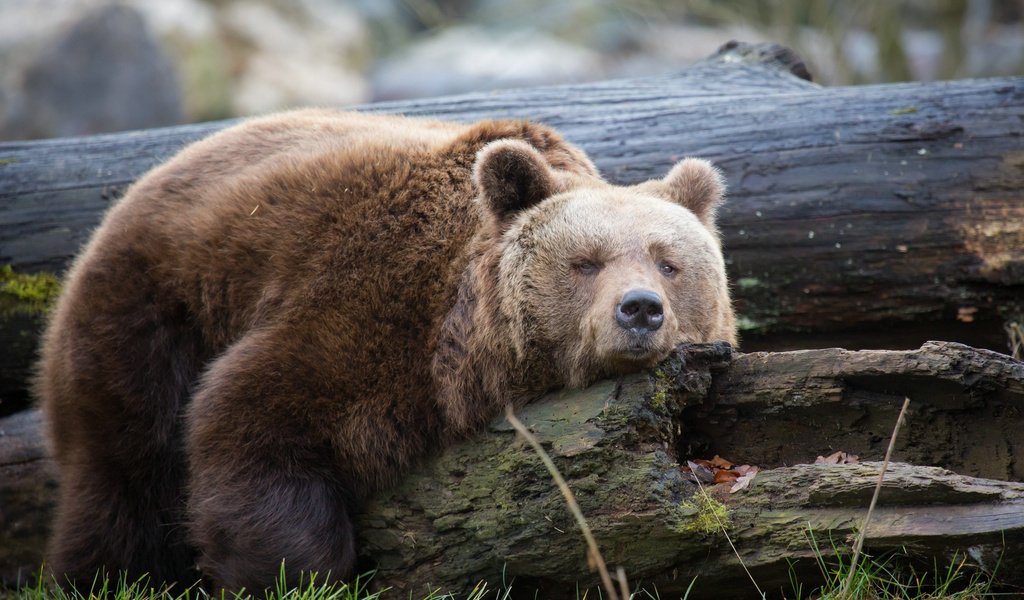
<point>661,387</point>
<point>705,514</point>
<point>27,294</point>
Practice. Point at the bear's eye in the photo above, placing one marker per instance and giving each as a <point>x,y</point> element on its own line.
<point>666,269</point>
<point>586,267</point>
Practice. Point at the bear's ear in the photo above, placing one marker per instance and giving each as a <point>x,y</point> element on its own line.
<point>512,175</point>
<point>697,185</point>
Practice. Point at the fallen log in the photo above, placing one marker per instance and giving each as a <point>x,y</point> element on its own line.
<point>486,509</point>
<point>871,216</point>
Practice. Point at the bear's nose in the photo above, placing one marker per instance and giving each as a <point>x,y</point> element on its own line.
<point>640,311</point>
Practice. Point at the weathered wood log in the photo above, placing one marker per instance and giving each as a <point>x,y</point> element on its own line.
<point>875,216</point>
<point>486,509</point>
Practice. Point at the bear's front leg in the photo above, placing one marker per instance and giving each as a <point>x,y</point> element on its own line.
<point>262,489</point>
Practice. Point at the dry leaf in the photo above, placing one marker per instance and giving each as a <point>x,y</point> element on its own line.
<point>725,476</point>
<point>719,470</point>
<point>744,480</point>
<point>720,462</point>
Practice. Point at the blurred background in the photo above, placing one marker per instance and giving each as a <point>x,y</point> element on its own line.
<point>74,67</point>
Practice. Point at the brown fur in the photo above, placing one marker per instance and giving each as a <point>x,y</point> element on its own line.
<point>300,306</point>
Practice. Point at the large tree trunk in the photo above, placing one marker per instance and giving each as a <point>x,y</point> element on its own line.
<point>486,509</point>
<point>875,216</point>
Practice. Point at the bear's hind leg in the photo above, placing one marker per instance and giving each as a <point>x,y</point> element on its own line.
<point>262,483</point>
<point>115,371</point>
<point>280,518</point>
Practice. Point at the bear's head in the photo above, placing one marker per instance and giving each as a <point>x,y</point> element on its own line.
<point>597,279</point>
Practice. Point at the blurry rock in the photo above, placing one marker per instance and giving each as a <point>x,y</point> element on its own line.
<point>105,73</point>
<point>229,57</point>
<point>465,58</point>
<point>193,35</point>
<point>299,52</point>
<point>22,24</point>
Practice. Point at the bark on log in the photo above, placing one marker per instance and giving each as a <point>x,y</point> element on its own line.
<point>486,509</point>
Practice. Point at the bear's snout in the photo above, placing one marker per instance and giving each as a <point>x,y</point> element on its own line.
<point>641,311</point>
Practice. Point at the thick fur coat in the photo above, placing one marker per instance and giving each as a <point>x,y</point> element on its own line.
<point>283,317</point>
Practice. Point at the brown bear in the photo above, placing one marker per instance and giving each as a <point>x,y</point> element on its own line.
<point>287,314</point>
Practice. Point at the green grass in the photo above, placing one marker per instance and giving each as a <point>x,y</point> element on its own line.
<point>892,577</point>
<point>876,579</point>
<point>308,588</point>
<point>887,580</point>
